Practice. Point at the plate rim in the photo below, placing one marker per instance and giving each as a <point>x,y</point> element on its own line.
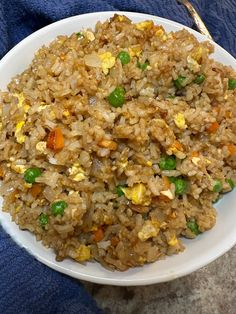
<point>97,279</point>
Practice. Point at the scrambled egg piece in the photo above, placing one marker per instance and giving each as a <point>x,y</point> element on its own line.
<point>149,163</point>
<point>77,173</point>
<point>135,51</point>
<point>148,230</point>
<point>173,241</point>
<point>144,26</point>
<point>107,61</point>
<point>193,65</point>
<point>66,113</point>
<point>137,194</point>
<point>161,33</point>
<point>180,121</point>
<point>120,18</point>
<point>89,35</point>
<point>83,253</point>
<point>198,54</point>
<point>168,194</point>
<point>20,138</point>
<point>18,168</point>
<point>27,185</point>
<point>41,146</point>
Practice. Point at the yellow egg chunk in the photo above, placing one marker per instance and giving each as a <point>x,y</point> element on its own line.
<point>146,25</point>
<point>135,51</point>
<point>149,230</point>
<point>107,61</point>
<point>180,121</point>
<point>137,194</point>
<point>173,241</point>
<point>20,138</point>
<point>83,253</point>
<point>76,172</point>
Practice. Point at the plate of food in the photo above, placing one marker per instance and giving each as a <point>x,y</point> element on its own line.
<point>118,145</point>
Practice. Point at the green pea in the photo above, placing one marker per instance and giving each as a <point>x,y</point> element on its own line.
<point>58,208</point>
<point>231,183</point>
<point>119,190</point>
<point>180,186</point>
<point>231,84</point>
<point>167,163</point>
<point>117,97</point>
<point>199,79</point>
<point>217,186</point>
<point>43,219</point>
<point>193,226</point>
<point>179,82</point>
<point>124,57</point>
<point>31,174</point>
<point>79,34</point>
<point>143,66</point>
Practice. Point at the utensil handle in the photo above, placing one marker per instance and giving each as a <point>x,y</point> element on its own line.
<point>197,19</point>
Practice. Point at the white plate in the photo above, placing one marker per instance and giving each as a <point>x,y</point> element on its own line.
<point>199,252</point>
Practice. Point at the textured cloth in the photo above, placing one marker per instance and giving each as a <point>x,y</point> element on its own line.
<point>27,286</point>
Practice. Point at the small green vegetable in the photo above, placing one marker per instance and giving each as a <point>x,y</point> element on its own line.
<point>119,190</point>
<point>168,163</point>
<point>31,174</point>
<point>199,79</point>
<point>179,82</point>
<point>193,226</point>
<point>124,57</point>
<point>180,186</point>
<point>117,97</point>
<point>79,34</point>
<point>217,186</point>
<point>143,66</point>
<point>58,208</point>
<point>231,183</point>
<point>231,84</point>
<point>170,97</point>
<point>43,219</point>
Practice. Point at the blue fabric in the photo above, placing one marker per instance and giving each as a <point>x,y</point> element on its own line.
<point>27,286</point>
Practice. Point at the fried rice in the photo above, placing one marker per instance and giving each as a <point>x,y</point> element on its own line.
<point>115,157</point>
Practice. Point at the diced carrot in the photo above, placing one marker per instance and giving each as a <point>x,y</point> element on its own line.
<point>36,190</point>
<point>114,241</point>
<point>98,235</point>
<point>166,183</point>
<point>213,127</point>
<point>231,149</point>
<point>1,172</point>
<point>178,145</point>
<point>108,144</point>
<point>55,139</point>
<point>195,154</point>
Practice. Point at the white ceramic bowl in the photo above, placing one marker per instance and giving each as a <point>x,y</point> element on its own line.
<point>199,252</point>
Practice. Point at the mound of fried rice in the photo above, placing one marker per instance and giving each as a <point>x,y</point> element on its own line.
<point>122,207</point>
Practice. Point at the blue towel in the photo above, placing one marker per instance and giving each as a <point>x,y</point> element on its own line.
<point>27,286</point>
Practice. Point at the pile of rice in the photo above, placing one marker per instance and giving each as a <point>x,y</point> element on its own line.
<point>66,87</point>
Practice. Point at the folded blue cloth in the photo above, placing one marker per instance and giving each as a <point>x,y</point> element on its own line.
<point>27,286</point>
